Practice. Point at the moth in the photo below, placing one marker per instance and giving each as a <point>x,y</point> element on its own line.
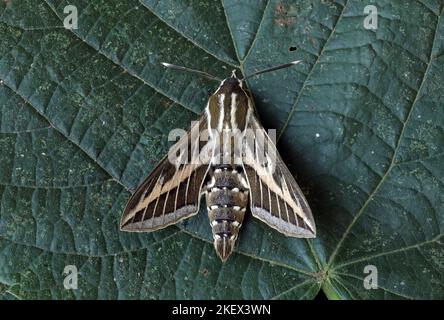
<point>238,167</point>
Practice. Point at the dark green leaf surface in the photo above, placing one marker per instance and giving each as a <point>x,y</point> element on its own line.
<point>85,114</point>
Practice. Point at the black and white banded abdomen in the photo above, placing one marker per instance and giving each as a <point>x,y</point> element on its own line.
<point>227,199</point>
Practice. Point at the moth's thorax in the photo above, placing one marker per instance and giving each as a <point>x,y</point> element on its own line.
<point>227,199</point>
<point>228,106</point>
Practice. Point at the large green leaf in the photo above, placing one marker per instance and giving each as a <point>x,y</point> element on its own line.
<point>85,115</point>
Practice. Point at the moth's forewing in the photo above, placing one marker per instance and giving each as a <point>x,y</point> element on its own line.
<point>172,191</point>
<point>275,197</point>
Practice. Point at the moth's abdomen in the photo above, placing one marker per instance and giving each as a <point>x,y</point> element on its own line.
<point>227,199</point>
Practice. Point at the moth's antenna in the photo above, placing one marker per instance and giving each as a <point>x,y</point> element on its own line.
<point>202,73</point>
<point>272,69</point>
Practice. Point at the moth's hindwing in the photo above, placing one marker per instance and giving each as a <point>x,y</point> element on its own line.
<point>171,192</point>
<point>275,197</point>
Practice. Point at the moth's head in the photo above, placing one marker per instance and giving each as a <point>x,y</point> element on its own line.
<point>231,84</point>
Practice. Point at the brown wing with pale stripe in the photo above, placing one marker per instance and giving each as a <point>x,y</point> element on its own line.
<point>275,197</point>
<point>172,191</point>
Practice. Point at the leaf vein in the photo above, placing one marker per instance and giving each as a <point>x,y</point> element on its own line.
<point>393,163</point>
<point>293,108</point>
